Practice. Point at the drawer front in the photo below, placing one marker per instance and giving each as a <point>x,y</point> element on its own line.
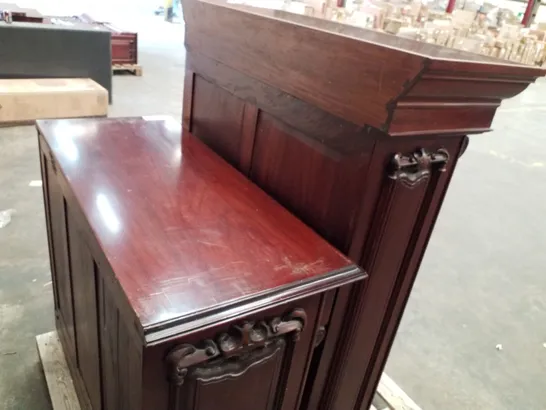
<point>258,362</point>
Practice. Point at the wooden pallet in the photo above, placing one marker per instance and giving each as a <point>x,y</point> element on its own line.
<point>390,396</point>
<point>63,394</point>
<point>134,69</point>
<point>58,379</point>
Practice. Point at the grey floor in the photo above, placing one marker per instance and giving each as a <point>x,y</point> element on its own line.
<point>482,282</point>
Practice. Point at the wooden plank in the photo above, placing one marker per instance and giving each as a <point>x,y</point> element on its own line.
<point>24,100</point>
<point>59,382</point>
<point>135,69</point>
<point>394,395</point>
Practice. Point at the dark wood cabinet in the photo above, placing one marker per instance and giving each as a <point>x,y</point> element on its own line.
<point>277,283</point>
<point>124,47</point>
<point>178,283</point>
<point>354,131</point>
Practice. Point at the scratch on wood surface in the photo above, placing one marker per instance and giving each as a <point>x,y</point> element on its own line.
<point>301,268</point>
<point>195,278</point>
<point>213,244</point>
<point>181,280</point>
<point>204,272</point>
<point>243,290</point>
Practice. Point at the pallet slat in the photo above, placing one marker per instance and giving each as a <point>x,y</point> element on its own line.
<point>59,382</point>
<point>134,69</point>
<point>394,395</point>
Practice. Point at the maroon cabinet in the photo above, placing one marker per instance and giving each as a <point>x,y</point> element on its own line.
<point>124,47</point>
<point>181,285</point>
<point>357,133</point>
<point>178,283</point>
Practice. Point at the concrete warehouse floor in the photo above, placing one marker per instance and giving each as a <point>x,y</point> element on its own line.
<point>481,283</point>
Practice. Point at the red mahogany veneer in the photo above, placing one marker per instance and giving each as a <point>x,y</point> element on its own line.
<point>356,132</point>
<point>178,283</point>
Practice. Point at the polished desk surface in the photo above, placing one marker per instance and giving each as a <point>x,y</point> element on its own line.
<point>182,230</point>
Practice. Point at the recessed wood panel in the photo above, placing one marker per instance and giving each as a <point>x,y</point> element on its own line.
<point>217,118</point>
<point>321,185</point>
<point>59,251</point>
<point>109,322</point>
<point>83,271</point>
<point>392,231</point>
<point>129,372</point>
<point>45,192</point>
<point>259,374</point>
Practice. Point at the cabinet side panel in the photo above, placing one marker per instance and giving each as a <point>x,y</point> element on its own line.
<point>121,357</point>
<point>109,322</point>
<point>422,231</point>
<point>134,367</point>
<point>45,191</point>
<point>85,312</point>
<point>318,183</point>
<point>217,117</point>
<point>395,215</point>
<point>61,268</point>
<point>309,160</point>
<point>129,371</point>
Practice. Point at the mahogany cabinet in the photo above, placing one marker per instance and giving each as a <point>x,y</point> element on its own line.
<point>178,284</point>
<point>357,133</point>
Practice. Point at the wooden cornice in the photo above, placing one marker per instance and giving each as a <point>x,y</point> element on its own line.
<point>399,86</point>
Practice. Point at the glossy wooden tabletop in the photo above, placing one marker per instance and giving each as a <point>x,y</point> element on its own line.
<point>182,230</point>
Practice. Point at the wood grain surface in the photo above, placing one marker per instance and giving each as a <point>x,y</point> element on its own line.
<point>376,77</point>
<point>184,233</point>
<point>334,108</point>
<point>59,381</point>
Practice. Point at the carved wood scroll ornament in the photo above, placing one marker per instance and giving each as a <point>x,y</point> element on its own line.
<point>238,341</point>
<point>412,169</point>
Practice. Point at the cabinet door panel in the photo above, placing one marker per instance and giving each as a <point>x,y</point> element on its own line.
<point>319,183</point>
<point>254,364</point>
<point>217,118</point>
<point>60,268</point>
<point>407,181</point>
<point>83,271</point>
<point>259,373</point>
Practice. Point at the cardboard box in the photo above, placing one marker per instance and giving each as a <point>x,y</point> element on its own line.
<point>26,100</point>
